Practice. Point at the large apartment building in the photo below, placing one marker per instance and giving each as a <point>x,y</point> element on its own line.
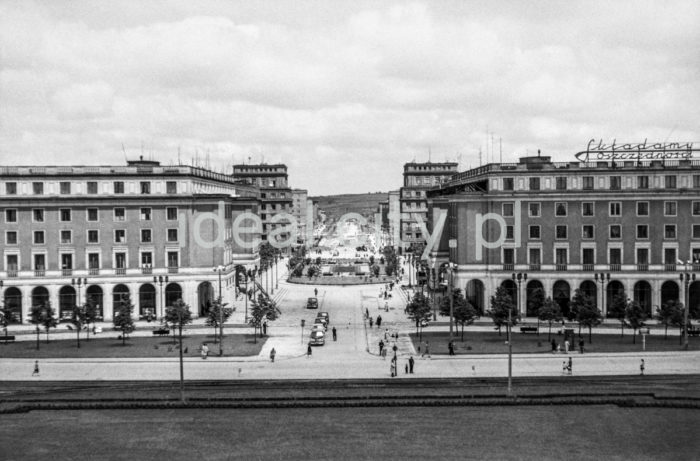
<point>418,178</point>
<point>628,228</point>
<point>69,234</point>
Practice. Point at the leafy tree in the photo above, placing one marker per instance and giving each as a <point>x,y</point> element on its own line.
<point>177,316</point>
<point>214,316</point>
<point>78,318</point>
<point>667,313</point>
<point>5,316</point>
<point>43,315</point>
<point>617,310</point>
<point>635,316</point>
<point>123,320</point>
<point>262,309</point>
<point>375,270</point>
<point>313,271</point>
<point>318,260</point>
<point>371,260</point>
<point>678,318</point>
<point>501,304</point>
<point>462,310</point>
<point>381,260</point>
<point>549,312</point>
<point>418,310</point>
<point>585,312</point>
<point>535,301</point>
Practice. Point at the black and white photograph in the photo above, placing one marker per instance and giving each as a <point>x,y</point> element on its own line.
<point>349,230</point>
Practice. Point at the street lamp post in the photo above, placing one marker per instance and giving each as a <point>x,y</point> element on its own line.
<point>519,277</point>
<point>160,280</point>
<point>603,277</point>
<point>219,270</point>
<point>79,282</point>
<point>686,278</point>
<point>277,275</point>
<point>247,275</point>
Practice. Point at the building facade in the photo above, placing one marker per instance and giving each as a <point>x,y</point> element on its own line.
<point>624,229</point>
<point>418,178</point>
<point>73,234</point>
<point>300,211</point>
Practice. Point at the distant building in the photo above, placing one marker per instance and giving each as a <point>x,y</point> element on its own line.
<point>394,218</point>
<point>417,179</point>
<point>300,212</point>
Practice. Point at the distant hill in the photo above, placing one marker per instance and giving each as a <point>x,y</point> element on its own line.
<point>337,205</point>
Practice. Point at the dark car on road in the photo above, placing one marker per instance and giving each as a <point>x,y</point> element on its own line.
<point>312,303</point>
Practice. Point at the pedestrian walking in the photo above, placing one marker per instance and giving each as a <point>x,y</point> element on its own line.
<point>451,348</point>
<point>386,307</point>
<point>308,351</point>
<point>36,368</point>
<point>427,350</point>
<point>315,291</point>
<point>205,351</point>
<point>406,368</point>
<point>264,328</point>
<point>370,322</point>
<point>554,346</point>
<point>272,355</point>
<point>335,334</point>
<point>386,334</point>
<point>392,368</point>
<point>641,368</point>
<point>566,346</point>
<point>379,321</point>
<point>564,368</point>
<point>410,364</point>
<point>366,313</point>
<point>381,346</point>
<point>580,344</point>
<point>570,367</point>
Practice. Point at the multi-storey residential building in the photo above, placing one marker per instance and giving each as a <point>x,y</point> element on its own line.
<point>627,229</point>
<point>394,217</point>
<point>275,196</point>
<point>69,234</point>
<point>300,208</point>
<point>418,178</point>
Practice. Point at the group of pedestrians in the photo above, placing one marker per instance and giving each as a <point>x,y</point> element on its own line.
<point>556,348</point>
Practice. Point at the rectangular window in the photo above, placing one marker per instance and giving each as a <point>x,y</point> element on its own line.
<point>171,213</point>
<point>172,235</point>
<point>670,231</point>
<point>561,256</point>
<point>696,231</point>
<point>670,208</point>
<point>534,183</point>
<point>615,209</point>
<point>508,256</point>
<point>615,231</point>
<point>588,183</point>
<point>39,262</point>
<point>670,256</point>
<point>10,215</point>
<point>642,256</point>
<point>171,187</point>
<point>534,232</point>
<point>92,214</point>
<point>64,214</point>
<point>561,232</point>
<point>507,209</point>
<point>145,214</point>
<point>118,187</point>
<point>670,181</point>
<point>120,236</point>
<point>560,209</point>
<point>12,262</point>
<point>65,187</point>
<point>508,184</point>
<point>535,256</point>
<point>93,260</point>
<point>66,261</point>
<point>93,236</point>
<point>120,214</point>
<point>173,259</point>
<point>146,259</point>
<point>696,208</point>
<point>642,208</point>
<point>642,182</point>
<point>10,188</point>
<point>696,255</point>
<point>11,238</point>
<point>615,256</point>
<point>615,182</point>
<point>588,255</point>
<point>145,187</point>
<point>696,181</point>
<point>642,231</point>
<point>146,236</point>
<point>509,233</point>
<point>534,209</point>
<point>66,237</point>
<point>38,188</point>
<point>120,260</point>
<point>588,231</point>
<point>92,187</point>
<point>39,237</point>
<point>38,215</point>
<point>587,208</point>
<point>562,183</point>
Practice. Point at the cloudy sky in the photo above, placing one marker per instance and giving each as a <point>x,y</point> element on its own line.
<point>344,92</point>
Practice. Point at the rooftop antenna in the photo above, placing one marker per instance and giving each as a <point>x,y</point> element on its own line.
<point>430,154</point>
<point>500,149</point>
<point>124,150</point>
<point>178,155</point>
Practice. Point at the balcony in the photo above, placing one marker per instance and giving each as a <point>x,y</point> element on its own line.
<point>615,267</point>
<point>670,267</point>
<point>173,269</point>
<point>147,270</point>
<point>120,271</point>
<point>39,273</point>
<point>696,267</point>
<point>66,272</point>
<point>589,267</point>
<point>509,267</point>
<point>560,267</point>
<point>12,272</point>
<point>535,267</point>
<point>93,271</point>
<point>642,267</point>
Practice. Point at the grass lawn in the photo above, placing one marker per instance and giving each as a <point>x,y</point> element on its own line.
<point>455,433</point>
<point>235,345</point>
<point>491,343</point>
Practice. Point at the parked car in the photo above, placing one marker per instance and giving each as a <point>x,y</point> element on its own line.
<point>318,338</point>
<point>321,321</point>
<point>312,303</point>
<point>325,316</point>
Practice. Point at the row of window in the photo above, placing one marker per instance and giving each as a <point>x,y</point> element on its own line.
<point>561,231</point>
<point>588,182</point>
<point>93,236</point>
<point>66,260</point>
<point>561,209</point>
<point>561,256</point>
<point>92,214</point>
<point>65,187</point>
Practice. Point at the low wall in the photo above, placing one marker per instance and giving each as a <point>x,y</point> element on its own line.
<point>342,280</point>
